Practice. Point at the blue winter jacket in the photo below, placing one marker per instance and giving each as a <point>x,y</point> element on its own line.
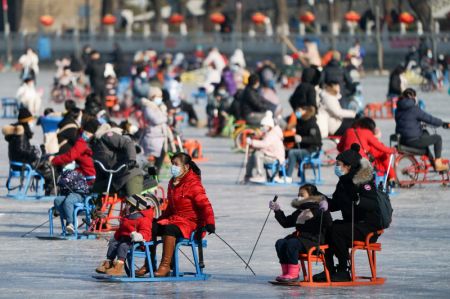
<point>409,118</point>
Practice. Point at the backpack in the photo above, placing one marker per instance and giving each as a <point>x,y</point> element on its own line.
<point>71,181</point>
<point>384,208</point>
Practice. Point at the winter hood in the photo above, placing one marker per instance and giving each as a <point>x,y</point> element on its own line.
<point>364,174</point>
<point>310,75</point>
<point>106,128</point>
<point>296,203</point>
<point>406,103</point>
<point>13,130</point>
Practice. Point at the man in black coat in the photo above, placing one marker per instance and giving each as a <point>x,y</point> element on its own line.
<point>96,72</point>
<point>253,105</point>
<point>334,72</point>
<point>305,93</point>
<point>68,128</point>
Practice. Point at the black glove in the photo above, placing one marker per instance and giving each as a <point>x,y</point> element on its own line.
<point>210,228</point>
<point>446,125</point>
<point>131,164</point>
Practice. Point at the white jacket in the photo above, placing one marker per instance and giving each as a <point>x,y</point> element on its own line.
<point>271,144</point>
<point>331,114</point>
<point>29,97</point>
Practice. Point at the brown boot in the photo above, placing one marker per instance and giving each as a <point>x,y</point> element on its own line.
<point>168,247</point>
<point>105,265</point>
<point>439,166</point>
<point>141,271</point>
<point>117,269</point>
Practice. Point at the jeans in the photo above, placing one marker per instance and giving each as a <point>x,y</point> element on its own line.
<point>66,204</point>
<point>295,155</point>
<point>288,250</point>
<point>117,249</point>
<point>257,160</point>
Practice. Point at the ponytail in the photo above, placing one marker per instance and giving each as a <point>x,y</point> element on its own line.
<point>187,160</point>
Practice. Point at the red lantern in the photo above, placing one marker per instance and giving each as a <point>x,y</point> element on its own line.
<point>217,18</point>
<point>308,17</point>
<point>46,20</point>
<point>352,16</point>
<point>258,18</point>
<point>176,19</point>
<point>406,18</point>
<point>109,19</point>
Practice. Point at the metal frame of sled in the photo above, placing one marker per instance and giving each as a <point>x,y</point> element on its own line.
<point>175,274</point>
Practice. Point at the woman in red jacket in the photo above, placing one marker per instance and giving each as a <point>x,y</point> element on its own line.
<point>363,132</point>
<point>188,209</point>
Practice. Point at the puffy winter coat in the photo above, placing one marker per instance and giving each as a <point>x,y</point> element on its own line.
<point>96,72</point>
<point>67,133</point>
<point>331,113</point>
<point>309,130</point>
<point>333,72</point>
<point>311,227</point>
<point>271,144</point>
<point>409,118</point>
<point>140,222</point>
<point>82,155</point>
<point>252,101</point>
<point>188,206</point>
<point>358,186</point>
<point>155,130</point>
<point>19,147</point>
<point>305,93</point>
<point>113,150</point>
<point>367,140</point>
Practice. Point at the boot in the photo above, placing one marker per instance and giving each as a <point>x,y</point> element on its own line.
<point>439,165</point>
<point>105,265</point>
<point>168,247</point>
<point>117,269</point>
<point>284,271</point>
<point>141,271</point>
<point>291,275</point>
<point>342,274</point>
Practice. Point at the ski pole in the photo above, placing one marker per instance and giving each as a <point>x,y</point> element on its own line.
<point>259,236</point>
<point>387,172</point>
<point>34,229</point>
<point>235,252</point>
<point>244,165</point>
<point>320,235</point>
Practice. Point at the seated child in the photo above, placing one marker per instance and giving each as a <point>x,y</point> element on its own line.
<point>309,206</point>
<point>135,226</point>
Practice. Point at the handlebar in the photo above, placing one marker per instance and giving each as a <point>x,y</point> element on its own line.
<point>110,170</point>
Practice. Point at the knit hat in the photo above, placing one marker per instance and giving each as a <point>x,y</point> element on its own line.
<point>351,156</point>
<point>24,115</point>
<point>268,120</point>
<point>139,202</point>
<point>91,126</point>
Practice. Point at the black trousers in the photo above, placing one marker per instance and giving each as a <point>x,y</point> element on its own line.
<point>425,141</point>
<point>289,249</point>
<point>189,109</point>
<point>346,123</point>
<point>339,239</point>
<point>118,249</point>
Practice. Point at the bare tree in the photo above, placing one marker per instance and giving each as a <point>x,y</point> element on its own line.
<point>422,9</point>
<point>156,6</point>
<point>281,16</point>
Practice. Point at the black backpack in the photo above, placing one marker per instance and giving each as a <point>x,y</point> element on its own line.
<point>384,208</point>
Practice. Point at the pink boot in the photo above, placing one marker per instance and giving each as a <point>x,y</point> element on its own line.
<point>284,271</point>
<point>291,275</point>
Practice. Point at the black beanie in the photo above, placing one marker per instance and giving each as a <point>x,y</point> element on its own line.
<point>351,156</point>
<point>24,115</point>
<point>91,126</point>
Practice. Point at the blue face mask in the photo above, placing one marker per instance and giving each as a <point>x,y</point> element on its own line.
<point>175,171</point>
<point>298,114</point>
<point>338,171</point>
<point>85,137</point>
<point>158,101</point>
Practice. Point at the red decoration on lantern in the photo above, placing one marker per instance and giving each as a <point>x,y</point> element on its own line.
<point>46,20</point>
<point>258,18</point>
<point>217,18</point>
<point>308,17</point>
<point>352,16</point>
<point>176,19</point>
<point>109,19</point>
<point>406,18</point>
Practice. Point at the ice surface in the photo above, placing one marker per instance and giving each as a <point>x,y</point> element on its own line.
<point>415,257</point>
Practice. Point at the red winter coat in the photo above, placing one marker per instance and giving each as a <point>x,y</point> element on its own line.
<point>140,222</point>
<point>369,142</point>
<point>188,206</point>
<point>81,154</point>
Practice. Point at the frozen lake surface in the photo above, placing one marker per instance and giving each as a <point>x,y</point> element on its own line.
<point>415,258</point>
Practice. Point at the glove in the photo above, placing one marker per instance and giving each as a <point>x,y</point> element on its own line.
<point>323,205</point>
<point>131,164</point>
<point>274,206</point>
<point>210,228</point>
<point>136,237</point>
<point>248,141</point>
<point>446,125</point>
<point>298,138</point>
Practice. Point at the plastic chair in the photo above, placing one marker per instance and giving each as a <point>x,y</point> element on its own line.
<point>274,168</point>
<point>194,148</point>
<point>371,249</point>
<point>200,94</point>
<point>314,161</point>
<point>30,180</point>
<point>10,107</point>
<point>311,257</point>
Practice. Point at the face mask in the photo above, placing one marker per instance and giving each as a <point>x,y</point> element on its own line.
<point>175,171</point>
<point>338,171</point>
<point>143,75</point>
<point>430,55</point>
<point>298,114</point>
<point>300,198</point>
<point>85,136</point>
<point>158,100</point>
<point>31,125</point>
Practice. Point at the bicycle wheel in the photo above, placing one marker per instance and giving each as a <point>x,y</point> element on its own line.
<point>329,148</point>
<point>406,170</point>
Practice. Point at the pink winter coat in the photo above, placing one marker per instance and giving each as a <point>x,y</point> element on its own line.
<point>272,144</point>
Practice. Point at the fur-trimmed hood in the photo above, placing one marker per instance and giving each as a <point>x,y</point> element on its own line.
<point>364,174</point>
<point>296,203</point>
<point>13,130</point>
<point>106,128</point>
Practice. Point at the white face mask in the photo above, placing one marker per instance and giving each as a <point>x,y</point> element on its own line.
<point>143,75</point>
<point>31,125</point>
<point>300,198</point>
<point>158,100</point>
